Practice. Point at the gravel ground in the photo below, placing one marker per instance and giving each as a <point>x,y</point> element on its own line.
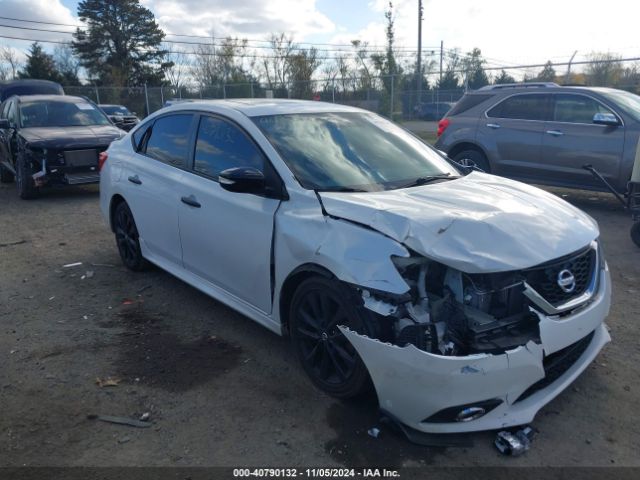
<point>220,389</point>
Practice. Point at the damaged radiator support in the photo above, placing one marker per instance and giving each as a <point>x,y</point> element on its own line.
<point>447,312</point>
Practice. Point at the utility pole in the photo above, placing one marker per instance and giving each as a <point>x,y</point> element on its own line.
<point>568,76</point>
<point>419,62</point>
<point>440,82</point>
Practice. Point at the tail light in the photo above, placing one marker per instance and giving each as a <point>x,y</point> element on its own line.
<point>442,126</point>
<point>102,157</point>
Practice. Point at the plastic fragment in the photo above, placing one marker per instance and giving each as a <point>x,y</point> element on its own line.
<point>69,265</point>
<point>374,432</point>
<point>514,444</point>
<point>120,420</point>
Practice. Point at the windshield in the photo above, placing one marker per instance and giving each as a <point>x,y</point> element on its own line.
<point>351,151</point>
<point>629,102</point>
<point>116,110</point>
<point>51,113</point>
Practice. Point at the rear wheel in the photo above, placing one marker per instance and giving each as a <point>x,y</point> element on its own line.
<point>5,175</point>
<point>318,306</point>
<point>127,238</point>
<point>635,233</point>
<point>24,180</point>
<point>470,158</point>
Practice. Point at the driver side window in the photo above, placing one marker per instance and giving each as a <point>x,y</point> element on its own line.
<point>221,145</point>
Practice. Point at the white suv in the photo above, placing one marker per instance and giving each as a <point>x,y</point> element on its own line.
<point>469,301</point>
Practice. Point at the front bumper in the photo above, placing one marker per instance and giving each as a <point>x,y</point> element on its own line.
<point>412,385</point>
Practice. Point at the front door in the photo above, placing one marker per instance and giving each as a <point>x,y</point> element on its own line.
<point>227,236</point>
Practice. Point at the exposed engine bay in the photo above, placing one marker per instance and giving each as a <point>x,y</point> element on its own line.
<point>448,312</point>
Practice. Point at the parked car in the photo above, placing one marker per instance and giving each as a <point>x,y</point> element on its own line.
<point>544,133</point>
<point>29,87</point>
<point>120,116</point>
<point>432,110</point>
<point>469,301</point>
<point>52,140</point>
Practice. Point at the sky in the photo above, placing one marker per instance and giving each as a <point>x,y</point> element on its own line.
<point>507,32</point>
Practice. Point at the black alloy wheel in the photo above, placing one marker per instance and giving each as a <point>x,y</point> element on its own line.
<point>319,305</point>
<point>127,238</point>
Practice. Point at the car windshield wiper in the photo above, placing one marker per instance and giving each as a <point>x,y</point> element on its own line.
<point>416,182</point>
<point>342,189</point>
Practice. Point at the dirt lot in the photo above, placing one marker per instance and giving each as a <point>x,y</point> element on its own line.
<point>222,390</point>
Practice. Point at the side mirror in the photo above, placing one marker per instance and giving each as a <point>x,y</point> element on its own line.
<point>606,119</point>
<point>4,124</point>
<point>242,180</point>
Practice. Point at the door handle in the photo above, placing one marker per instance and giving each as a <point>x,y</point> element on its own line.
<point>555,133</point>
<point>135,179</point>
<point>191,201</point>
<point>495,126</point>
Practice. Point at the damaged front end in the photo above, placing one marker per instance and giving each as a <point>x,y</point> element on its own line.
<point>480,351</point>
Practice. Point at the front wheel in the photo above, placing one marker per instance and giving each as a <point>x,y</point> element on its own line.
<point>127,238</point>
<point>24,180</point>
<point>635,233</point>
<point>318,306</point>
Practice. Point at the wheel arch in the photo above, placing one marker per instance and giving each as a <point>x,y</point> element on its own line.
<point>466,145</point>
<point>290,285</point>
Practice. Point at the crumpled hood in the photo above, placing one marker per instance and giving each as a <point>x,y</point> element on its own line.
<point>478,224</point>
<point>71,137</point>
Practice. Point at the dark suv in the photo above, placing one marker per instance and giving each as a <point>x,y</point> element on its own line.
<point>545,133</point>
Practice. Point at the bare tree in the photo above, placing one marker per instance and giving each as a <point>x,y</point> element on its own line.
<point>10,61</point>
<point>604,70</point>
<point>67,64</point>
<point>177,74</point>
<point>277,68</point>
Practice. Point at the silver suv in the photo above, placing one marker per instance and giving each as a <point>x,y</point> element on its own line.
<point>545,133</point>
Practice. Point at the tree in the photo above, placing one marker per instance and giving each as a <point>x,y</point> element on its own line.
<point>40,65</point>
<point>547,74</point>
<point>604,70</point>
<point>121,45</point>
<point>176,74</point>
<point>277,67</point>
<point>9,63</point>
<point>450,79</point>
<point>503,78</point>
<point>473,66</point>
<point>67,64</point>
<point>303,65</point>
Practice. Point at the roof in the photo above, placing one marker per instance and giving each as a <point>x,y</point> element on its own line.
<point>27,81</point>
<point>255,107</point>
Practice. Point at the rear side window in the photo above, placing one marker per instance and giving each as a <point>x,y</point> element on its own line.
<point>522,107</point>
<point>169,139</point>
<point>576,108</point>
<point>222,145</point>
<point>138,137</point>
<point>468,102</point>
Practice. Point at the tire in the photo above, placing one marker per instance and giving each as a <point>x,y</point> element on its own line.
<point>5,175</point>
<point>27,189</point>
<point>127,239</point>
<point>635,233</point>
<point>473,157</point>
<point>317,307</point>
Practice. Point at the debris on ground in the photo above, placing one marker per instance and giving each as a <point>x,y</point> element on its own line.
<point>108,382</point>
<point>374,432</point>
<point>145,417</point>
<point>124,439</point>
<point>70,265</point>
<point>88,274</point>
<point>10,244</point>
<point>132,422</point>
<point>514,444</point>
<point>102,265</point>
<point>146,287</point>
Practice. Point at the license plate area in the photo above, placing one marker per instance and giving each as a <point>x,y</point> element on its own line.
<point>81,158</point>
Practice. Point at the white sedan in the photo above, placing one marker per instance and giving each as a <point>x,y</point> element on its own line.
<point>468,300</point>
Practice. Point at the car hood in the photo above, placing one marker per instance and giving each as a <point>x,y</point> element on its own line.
<point>478,224</point>
<point>70,137</point>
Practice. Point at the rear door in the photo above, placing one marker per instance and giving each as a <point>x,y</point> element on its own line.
<point>511,133</point>
<point>227,236</point>
<point>4,135</point>
<point>571,140</point>
<point>151,182</point>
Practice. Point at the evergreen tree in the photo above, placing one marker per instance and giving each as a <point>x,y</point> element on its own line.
<point>548,73</point>
<point>473,64</point>
<point>503,78</point>
<point>40,65</point>
<point>121,45</point>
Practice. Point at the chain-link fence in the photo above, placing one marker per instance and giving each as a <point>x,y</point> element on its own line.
<point>390,96</point>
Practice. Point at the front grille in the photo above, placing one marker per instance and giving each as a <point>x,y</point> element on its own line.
<point>556,364</point>
<point>544,278</point>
